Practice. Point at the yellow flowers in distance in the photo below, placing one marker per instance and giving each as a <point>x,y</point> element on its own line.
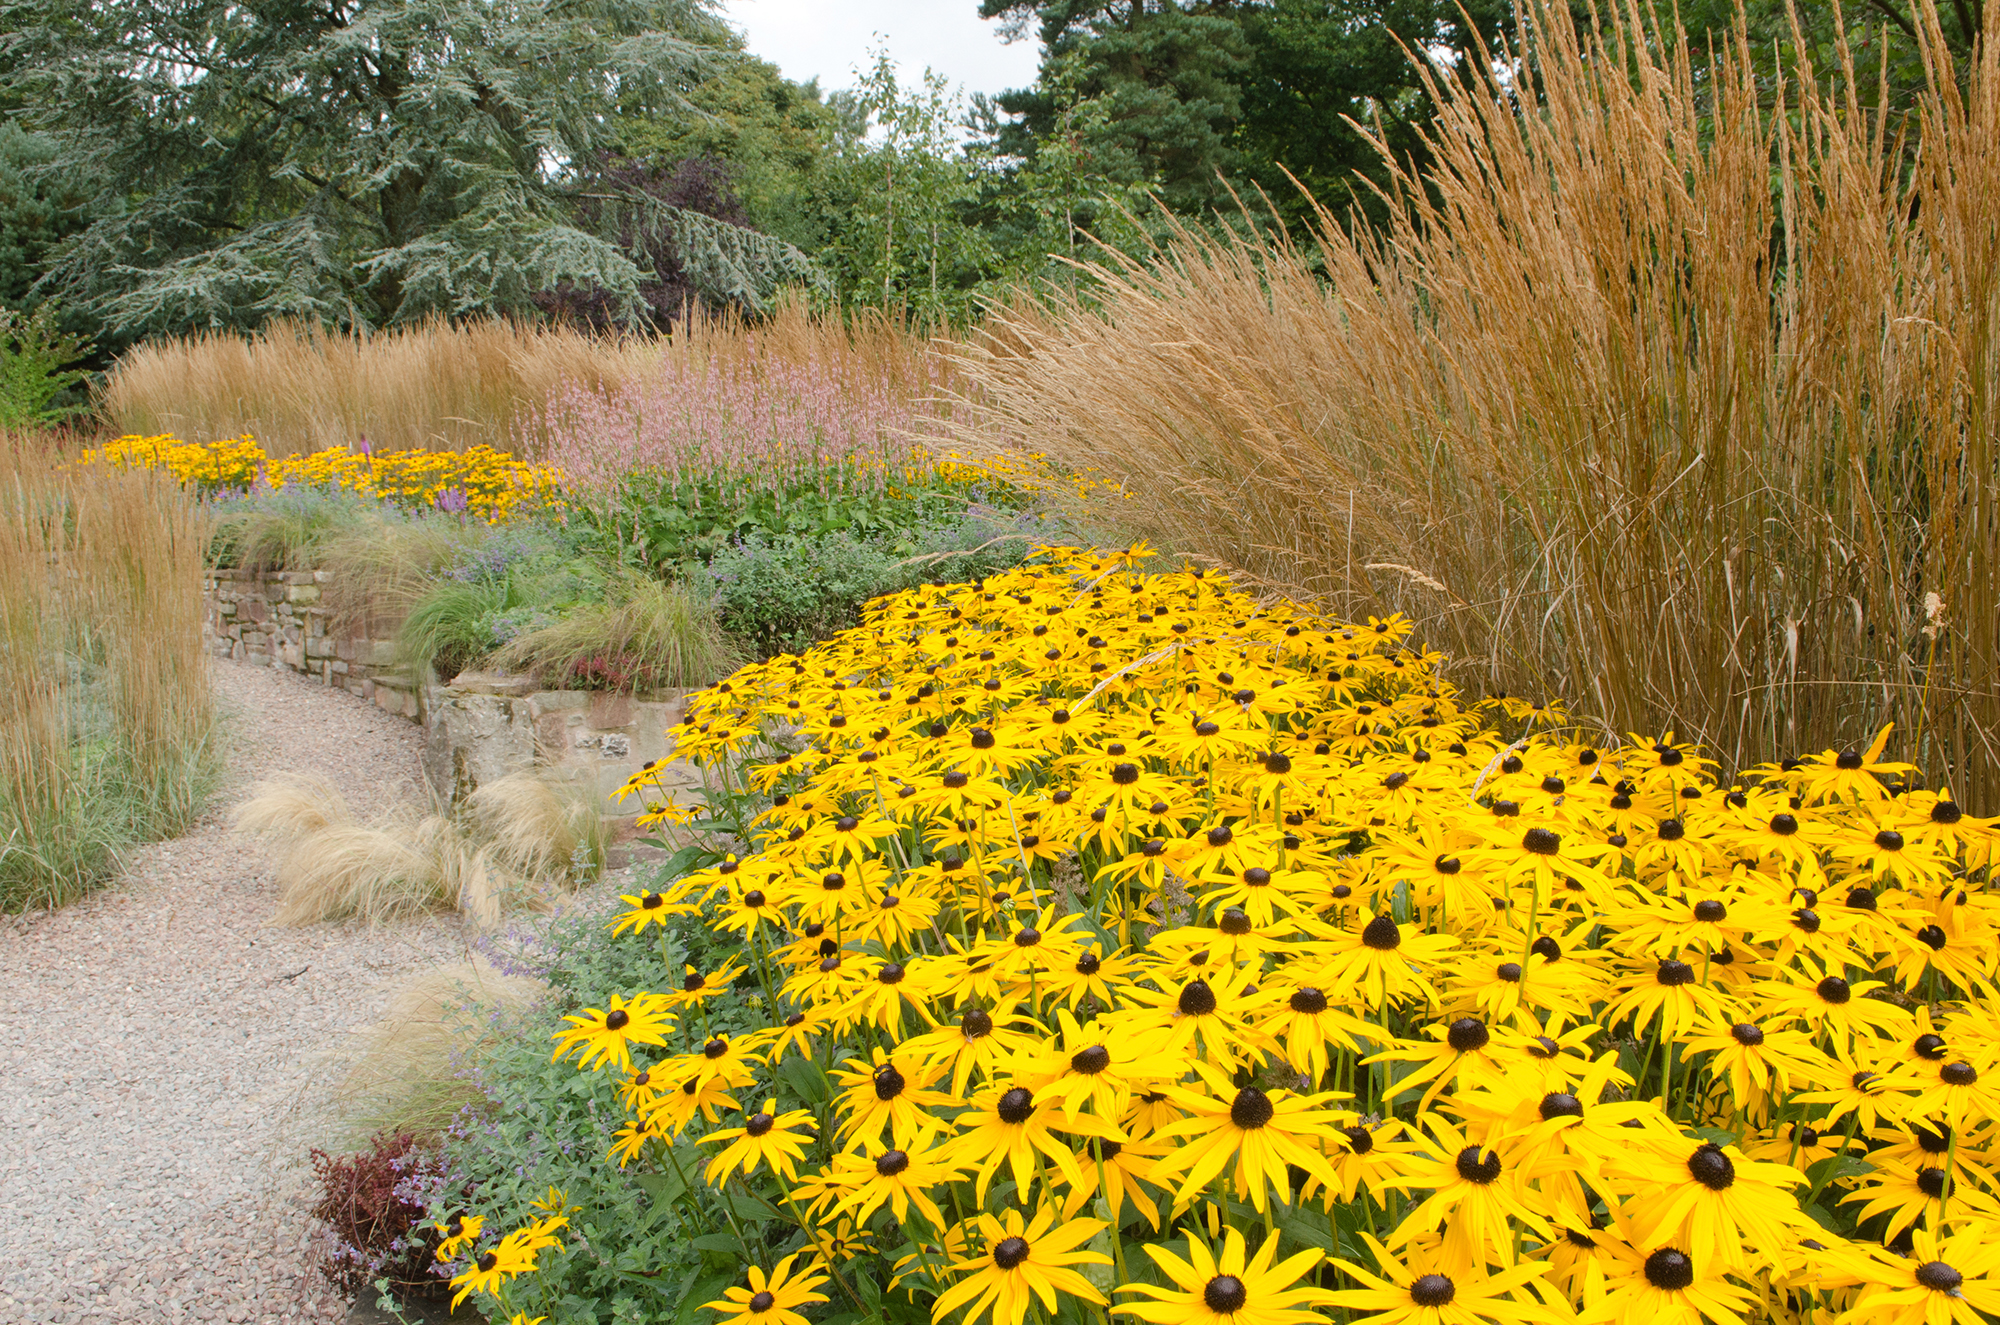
<point>1087,911</point>
<point>480,481</point>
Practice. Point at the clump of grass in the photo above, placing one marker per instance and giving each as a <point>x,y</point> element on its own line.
<point>290,528</point>
<point>416,1070</point>
<point>519,842</point>
<point>648,635</point>
<point>107,723</point>
<point>1670,391</point>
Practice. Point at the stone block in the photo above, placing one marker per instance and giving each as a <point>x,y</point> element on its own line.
<point>318,646</point>
<point>473,739</point>
<point>558,701</point>
<point>338,667</point>
<point>610,711</point>
<point>322,577</point>
<point>493,683</point>
<point>226,608</point>
<point>295,577</point>
<point>375,652</point>
<point>302,593</point>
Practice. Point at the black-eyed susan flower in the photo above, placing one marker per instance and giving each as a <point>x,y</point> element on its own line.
<point>1402,1295</point>
<point>1943,1280</point>
<point>1249,1134</point>
<point>605,1035</point>
<point>772,1299</point>
<point>776,1141</point>
<point>1664,1286</point>
<point>892,1177</point>
<point>1716,1202</point>
<point>1017,1260</point>
<point>1229,1287</point>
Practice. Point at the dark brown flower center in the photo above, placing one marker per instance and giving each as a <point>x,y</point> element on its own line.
<point>758,1123</point>
<point>1251,1109</point>
<point>1478,1165</point>
<point>1016,1106</point>
<point>1382,934</point>
<point>1432,1290</point>
<point>1669,1270</point>
<point>617,1019</point>
<point>1091,1061</point>
<point>1225,1294</point>
<point>1197,999</point>
<point>1711,1168</point>
<point>761,1302</point>
<point>1010,1252</point>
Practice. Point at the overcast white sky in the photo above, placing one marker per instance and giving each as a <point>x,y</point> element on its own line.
<point>829,39</point>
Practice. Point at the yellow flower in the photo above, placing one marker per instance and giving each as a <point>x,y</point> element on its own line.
<point>772,1299</point>
<point>1019,1261</point>
<point>1230,1289</point>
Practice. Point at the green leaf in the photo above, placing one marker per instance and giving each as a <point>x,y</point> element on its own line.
<point>725,1243</point>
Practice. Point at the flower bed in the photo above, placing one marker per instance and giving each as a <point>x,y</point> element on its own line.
<point>479,481</point>
<point>1117,942</point>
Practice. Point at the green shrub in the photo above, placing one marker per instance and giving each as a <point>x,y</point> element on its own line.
<point>789,591</point>
<point>35,354</point>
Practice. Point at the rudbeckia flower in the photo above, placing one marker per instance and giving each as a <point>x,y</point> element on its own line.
<point>1400,1295</point>
<point>1233,1288</point>
<point>772,1299</point>
<point>605,1035</point>
<point>1020,1261</point>
<point>1249,1133</point>
<point>1944,1280</point>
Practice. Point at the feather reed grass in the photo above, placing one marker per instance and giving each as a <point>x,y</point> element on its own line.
<point>1672,389</point>
<point>107,722</point>
<point>438,385</point>
<point>520,842</point>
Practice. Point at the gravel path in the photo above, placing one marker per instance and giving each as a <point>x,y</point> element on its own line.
<point>155,1041</point>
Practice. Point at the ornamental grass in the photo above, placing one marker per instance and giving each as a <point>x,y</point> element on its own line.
<point>1118,943</point>
<point>107,723</point>
<point>1672,389</point>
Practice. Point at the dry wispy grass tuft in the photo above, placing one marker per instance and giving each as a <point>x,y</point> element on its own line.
<point>300,388</point>
<point>416,1069</point>
<point>520,841</point>
<point>1675,393</point>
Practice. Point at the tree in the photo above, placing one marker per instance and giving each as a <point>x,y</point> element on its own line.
<point>1164,78</point>
<point>897,186</point>
<point>38,210</point>
<point>770,131</point>
<point>1316,68</point>
<point>1194,97</point>
<point>358,162</point>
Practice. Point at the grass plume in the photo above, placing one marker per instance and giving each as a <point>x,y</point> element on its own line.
<point>1672,389</point>
<point>107,722</point>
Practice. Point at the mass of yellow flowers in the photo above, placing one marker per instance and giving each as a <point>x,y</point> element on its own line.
<point>479,481</point>
<point>1122,943</point>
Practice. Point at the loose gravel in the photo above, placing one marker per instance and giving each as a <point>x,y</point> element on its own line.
<point>157,1042</point>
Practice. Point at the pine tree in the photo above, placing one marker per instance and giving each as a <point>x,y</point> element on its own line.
<point>361,162</point>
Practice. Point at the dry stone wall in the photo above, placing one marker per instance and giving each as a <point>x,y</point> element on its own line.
<point>480,727</point>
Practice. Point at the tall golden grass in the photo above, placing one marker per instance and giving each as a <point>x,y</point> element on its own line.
<point>106,717</point>
<point>437,385</point>
<point>1672,389</point>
